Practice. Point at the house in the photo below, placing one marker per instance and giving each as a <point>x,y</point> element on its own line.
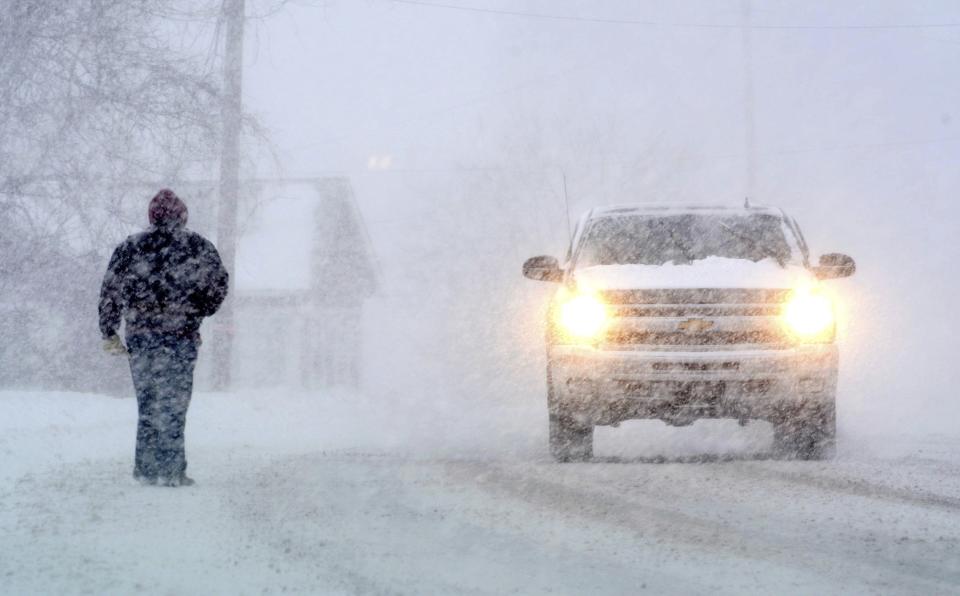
<point>304,267</point>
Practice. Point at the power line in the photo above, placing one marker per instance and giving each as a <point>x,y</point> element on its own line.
<point>703,156</point>
<point>865,146</point>
<point>678,25</point>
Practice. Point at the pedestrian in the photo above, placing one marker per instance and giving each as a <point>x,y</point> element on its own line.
<point>162,283</point>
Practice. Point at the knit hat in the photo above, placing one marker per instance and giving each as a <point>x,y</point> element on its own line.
<point>167,210</point>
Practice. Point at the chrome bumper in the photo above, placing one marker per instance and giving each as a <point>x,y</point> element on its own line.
<point>605,386</point>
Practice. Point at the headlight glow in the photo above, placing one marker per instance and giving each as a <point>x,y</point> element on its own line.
<point>583,317</point>
<point>809,315</point>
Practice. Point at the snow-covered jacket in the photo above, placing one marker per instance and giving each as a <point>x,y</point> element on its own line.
<point>162,281</point>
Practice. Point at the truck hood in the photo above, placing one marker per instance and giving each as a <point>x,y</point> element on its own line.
<point>712,272</point>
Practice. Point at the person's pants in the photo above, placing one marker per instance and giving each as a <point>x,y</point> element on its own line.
<point>162,370</point>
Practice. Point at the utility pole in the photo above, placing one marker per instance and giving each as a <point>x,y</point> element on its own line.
<point>231,115</point>
<point>748,111</point>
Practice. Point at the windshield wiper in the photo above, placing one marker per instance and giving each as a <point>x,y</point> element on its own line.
<point>766,250</point>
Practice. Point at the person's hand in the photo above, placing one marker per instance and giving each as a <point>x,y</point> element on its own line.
<point>113,346</point>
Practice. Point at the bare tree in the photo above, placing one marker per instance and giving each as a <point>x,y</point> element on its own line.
<point>97,99</point>
<point>94,95</point>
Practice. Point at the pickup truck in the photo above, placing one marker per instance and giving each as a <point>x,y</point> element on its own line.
<point>683,313</point>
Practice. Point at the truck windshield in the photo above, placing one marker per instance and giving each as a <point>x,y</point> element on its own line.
<point>682,238</point>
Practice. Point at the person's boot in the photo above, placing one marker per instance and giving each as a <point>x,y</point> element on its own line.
<point>144,479</point>
<point>181,480</point>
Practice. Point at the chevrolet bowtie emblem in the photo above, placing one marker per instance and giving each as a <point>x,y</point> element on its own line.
<point>695,325</point>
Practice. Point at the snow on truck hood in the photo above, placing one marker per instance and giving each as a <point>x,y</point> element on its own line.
<point>712,272</point>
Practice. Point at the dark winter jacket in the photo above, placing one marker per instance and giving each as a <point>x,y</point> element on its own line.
<point>162,281</point>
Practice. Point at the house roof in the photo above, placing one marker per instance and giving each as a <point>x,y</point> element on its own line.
<point>275,241</point>
<point>302,236</point>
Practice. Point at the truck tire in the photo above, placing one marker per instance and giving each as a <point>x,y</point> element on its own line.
<point>807,436</point>
<point>570,441</point>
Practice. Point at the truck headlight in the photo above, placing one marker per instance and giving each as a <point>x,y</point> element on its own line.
<point>809,315</point>
<point>583,317</point>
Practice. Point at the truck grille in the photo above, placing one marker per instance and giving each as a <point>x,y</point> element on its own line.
<point>696,318</point>
<point>696,297</point>
<point>690,310</point>
<point>710,338</point>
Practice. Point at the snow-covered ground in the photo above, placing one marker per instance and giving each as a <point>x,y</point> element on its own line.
<point>340,494</point>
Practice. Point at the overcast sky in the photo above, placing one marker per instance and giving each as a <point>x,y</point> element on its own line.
<point>338,82</point>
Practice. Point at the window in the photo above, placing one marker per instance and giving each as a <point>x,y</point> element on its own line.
<point>682,238</point>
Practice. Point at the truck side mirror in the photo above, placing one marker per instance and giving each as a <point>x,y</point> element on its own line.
<point>834,265</point>
<point>543,269</point>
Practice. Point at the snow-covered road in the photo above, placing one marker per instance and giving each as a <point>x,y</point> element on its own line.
<point>338,496</point>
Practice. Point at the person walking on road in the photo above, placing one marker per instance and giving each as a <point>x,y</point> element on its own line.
<point>161,283</point>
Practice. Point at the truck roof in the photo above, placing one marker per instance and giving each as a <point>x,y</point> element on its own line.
<point>678,209</point>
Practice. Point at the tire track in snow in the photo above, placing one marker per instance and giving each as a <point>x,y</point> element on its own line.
<point>664,518</point>
<point>853,486</point>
